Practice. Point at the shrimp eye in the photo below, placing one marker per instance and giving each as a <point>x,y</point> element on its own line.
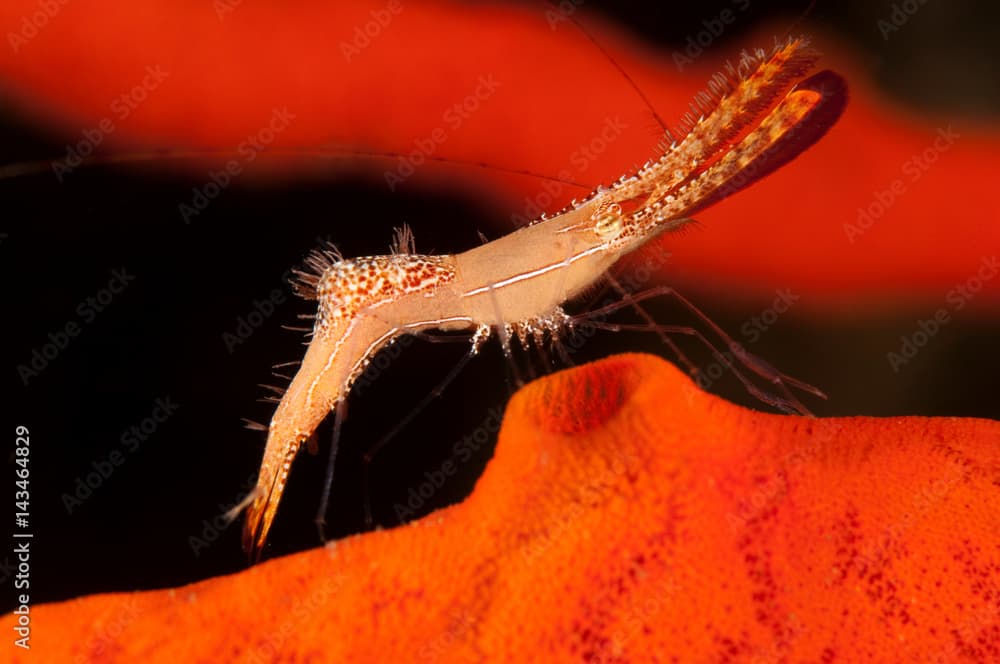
<point>608,224</point>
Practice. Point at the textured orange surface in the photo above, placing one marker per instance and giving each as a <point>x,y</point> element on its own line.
<point>889,202</point>
<point>626,517</point>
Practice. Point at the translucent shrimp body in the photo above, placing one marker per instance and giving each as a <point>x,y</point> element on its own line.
<point>753,118</point>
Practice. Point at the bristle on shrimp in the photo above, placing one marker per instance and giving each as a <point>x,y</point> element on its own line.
<point>254,426</point>
<point>403,241</point>
<point>740,92</point>
<point>305,282</point>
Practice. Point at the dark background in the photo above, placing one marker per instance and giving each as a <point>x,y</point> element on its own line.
<point>163,336</point>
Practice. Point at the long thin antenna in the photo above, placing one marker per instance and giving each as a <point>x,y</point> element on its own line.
<point>40,166</point>
<point>621,70</point>
<point>616,65</point>
<point>803,15</point>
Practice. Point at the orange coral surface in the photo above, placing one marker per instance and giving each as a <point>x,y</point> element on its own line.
<point>889,202</point>
<point>626,516</point>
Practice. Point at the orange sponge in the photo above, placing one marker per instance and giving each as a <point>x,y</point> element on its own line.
<point>626,516</point>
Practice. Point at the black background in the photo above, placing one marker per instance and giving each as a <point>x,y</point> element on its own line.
<point>162,337</point>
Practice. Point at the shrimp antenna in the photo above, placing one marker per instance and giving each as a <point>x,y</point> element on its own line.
<point>621,70</point>
<point>40,166</point>
<point>803,15</point>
